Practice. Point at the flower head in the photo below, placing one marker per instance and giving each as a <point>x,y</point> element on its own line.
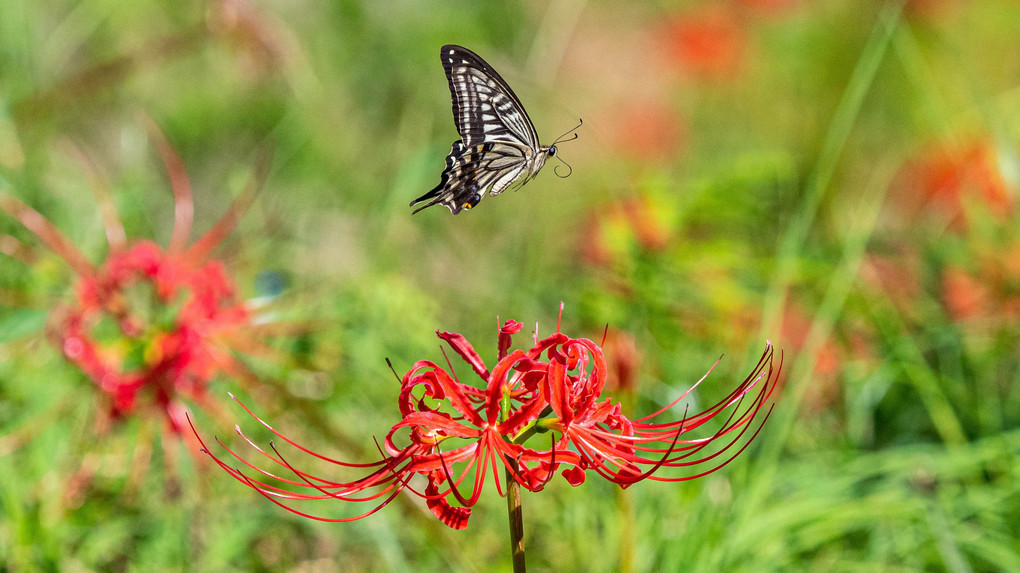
<point>150,326</point>
<point>453,435</point>
<point>148,321</point>
<point>944,183</point>
<point>707,43</point>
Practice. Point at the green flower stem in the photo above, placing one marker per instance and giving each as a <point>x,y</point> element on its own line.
<point>516,515</point>
<point>513,501</point>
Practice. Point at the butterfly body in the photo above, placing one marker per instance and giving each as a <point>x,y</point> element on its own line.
<point>499,147</point>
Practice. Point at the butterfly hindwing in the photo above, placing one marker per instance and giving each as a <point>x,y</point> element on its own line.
<point>499,147</point>
<point>471,171</point>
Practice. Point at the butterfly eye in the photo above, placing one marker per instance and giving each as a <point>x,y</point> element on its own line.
<point>552,151</point>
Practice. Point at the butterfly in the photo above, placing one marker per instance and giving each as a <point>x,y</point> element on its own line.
<point>499,147</point>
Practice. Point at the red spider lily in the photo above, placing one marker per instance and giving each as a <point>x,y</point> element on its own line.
<point>986,291</point>
<point>456,433</point>
<point>648,129</point>
<point>174,351</point>
<point>617,229</point>
<point>708,43</point>
<point>621,350</point>
<point>150,326</point>
<point>942,182</point>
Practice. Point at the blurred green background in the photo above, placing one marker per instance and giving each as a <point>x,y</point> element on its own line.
<point>839,177</point>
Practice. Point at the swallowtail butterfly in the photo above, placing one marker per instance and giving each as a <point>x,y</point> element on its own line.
<point>498,148</point>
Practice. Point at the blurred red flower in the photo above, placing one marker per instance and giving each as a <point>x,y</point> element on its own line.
<point>826,389</point>
<point>965,296</point>
<point>148,321</point>
<point>615,229</point>
<point>943,181</point>
<point>149,326</point>
<point>622,352</point>
<point>930,9</point>
<point>453,434</point>
<point>709,43</point>
<point>985,290</point>
<point>648,129</point>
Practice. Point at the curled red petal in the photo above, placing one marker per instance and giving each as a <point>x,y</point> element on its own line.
<point>556,392</point>
<point>461,346</point>
<point>547,343</point>
<point>506,332</point>
<point>574,476</point>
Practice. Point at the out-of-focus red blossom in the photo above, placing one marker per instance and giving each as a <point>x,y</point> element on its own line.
<point>452,434</point>
<point>826,388</point>
<point>956,186</point>
<point>149,326</point>
<point>989,293</point>
<point>616,228</point>
<point>624,357</point>
<point>796,326</point>
<point>636,110</point>
<point>985,287</point>
<point>929,9</point>
<point>708,43</point>
<point>965,297</point>
<point>942,181</point>
<point>171,346</point>
<point>647,130</point>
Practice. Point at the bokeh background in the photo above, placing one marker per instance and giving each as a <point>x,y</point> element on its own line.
<point>837,176</point>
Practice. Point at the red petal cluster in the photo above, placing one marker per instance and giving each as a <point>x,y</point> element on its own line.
<point>148,322</point>
<point>452,434</point>
<point>150,325</point>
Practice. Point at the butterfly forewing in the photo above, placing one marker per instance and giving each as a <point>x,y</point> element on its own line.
<point>499,145</point>
<point>484,107</point>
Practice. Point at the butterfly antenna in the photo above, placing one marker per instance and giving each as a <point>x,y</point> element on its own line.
<point>563,138</point>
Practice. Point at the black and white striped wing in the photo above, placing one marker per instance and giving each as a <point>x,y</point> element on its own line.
<point>471,171</point>
<point>498,145</point>
<point>485,109</point>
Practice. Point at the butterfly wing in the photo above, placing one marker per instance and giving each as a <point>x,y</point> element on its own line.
<point>498,143</point>
<point>470,171</point>
<point>485,109</point>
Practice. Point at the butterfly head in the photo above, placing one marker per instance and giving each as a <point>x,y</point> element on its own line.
<point>568,136</point>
